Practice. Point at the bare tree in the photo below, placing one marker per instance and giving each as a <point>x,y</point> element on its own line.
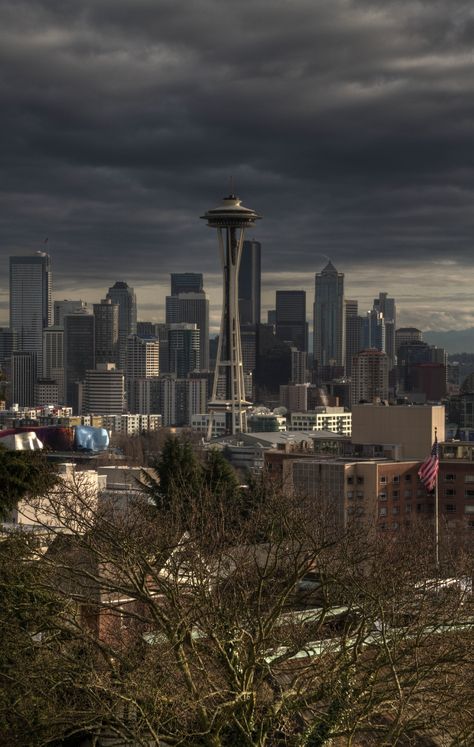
<point>268,626</point>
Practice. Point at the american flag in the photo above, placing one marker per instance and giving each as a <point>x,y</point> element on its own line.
<point>428,471</point>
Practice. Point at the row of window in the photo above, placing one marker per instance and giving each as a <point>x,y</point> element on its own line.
<point>395,525</point>
<point>449,508</point>
<point>448,477</point>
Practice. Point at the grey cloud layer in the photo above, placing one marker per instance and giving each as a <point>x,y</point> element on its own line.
<point>348,124</point>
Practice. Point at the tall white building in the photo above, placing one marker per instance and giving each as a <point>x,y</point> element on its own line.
<point>30,301</point>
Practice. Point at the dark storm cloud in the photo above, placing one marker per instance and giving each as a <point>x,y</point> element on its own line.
<point>348,124</point>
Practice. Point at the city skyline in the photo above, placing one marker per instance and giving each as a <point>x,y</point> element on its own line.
<point>119,128</point>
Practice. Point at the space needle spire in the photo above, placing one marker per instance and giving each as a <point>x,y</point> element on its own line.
<point>228,392</point>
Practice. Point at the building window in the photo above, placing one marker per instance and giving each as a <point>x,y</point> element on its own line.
<point>469,508</point>
<point>450,491</point>
<point>396,478</point>
<point>360,495</point>
<point>383,511</point>
<point>350,480</point>
<point>407,493</point>
<point>450,508</point>
<point>396,495</point>
<point>360,481</point>
<point>395,525</point>
<point>407,478</point>
<point>419,508</point>
<point>350,494</point>
<point>469,493</point>
<point>395,510</point>
<point>449,477</point>
<point>470,524</point>
<point>468,478</point>
<point>383,479</point>
<point>408,508</point>
<point>382,496</point>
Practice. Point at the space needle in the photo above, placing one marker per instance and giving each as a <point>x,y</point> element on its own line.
<point>228,392</point>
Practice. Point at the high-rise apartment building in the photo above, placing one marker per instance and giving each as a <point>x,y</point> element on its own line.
<point>79,354</point>
<point>30,301</point>
<point>186,282</point>
<point>124,296</point>
<point>250,274</point>
<point>369,377</point>
<point>143,357</point>
<point>291,324</point>
<point>106,322</point>
<point>329,327</point>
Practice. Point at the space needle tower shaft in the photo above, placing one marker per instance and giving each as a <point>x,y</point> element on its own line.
<point>228,391</point>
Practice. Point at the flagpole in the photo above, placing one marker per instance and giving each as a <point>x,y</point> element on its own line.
<point>436,524</point>
<point>437,508</point>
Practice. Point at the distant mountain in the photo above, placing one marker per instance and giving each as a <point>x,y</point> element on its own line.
<point>453,341</point>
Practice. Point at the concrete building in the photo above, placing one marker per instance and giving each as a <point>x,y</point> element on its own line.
<point>30,301</point>
<point>369,381</point>
<point>132,424</point>
<point>46,392</point>
<point>329,318</point>
<point>413,427</point>
<point>294,397</point>
<point>406,335</point>
<point>104,390</point>
<point>333,419</point>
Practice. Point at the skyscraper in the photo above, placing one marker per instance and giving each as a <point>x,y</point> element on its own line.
<point>291,325</point>
<point>106,322</point>
<point>30,301</point>
<point>79,353</point>
<point>186,282</point>
<point>388,308</point>
<point>23,373</point>
<point>53,358</point>
<point>143,357</point>
<point>353,336</point>
<point>124,296</point>
<point>250,283</point>
<point>104,390</point>
<point>369,377</point>
<point>329,332</point>
<point>230,219</point>
<point>183,349</point>
<point>61,308</point>
<point>190,307</point>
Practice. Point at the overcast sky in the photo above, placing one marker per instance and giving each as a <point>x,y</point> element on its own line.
<point>348,124</point>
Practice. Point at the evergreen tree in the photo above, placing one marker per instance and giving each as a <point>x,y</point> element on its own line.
<point>22,473</point>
